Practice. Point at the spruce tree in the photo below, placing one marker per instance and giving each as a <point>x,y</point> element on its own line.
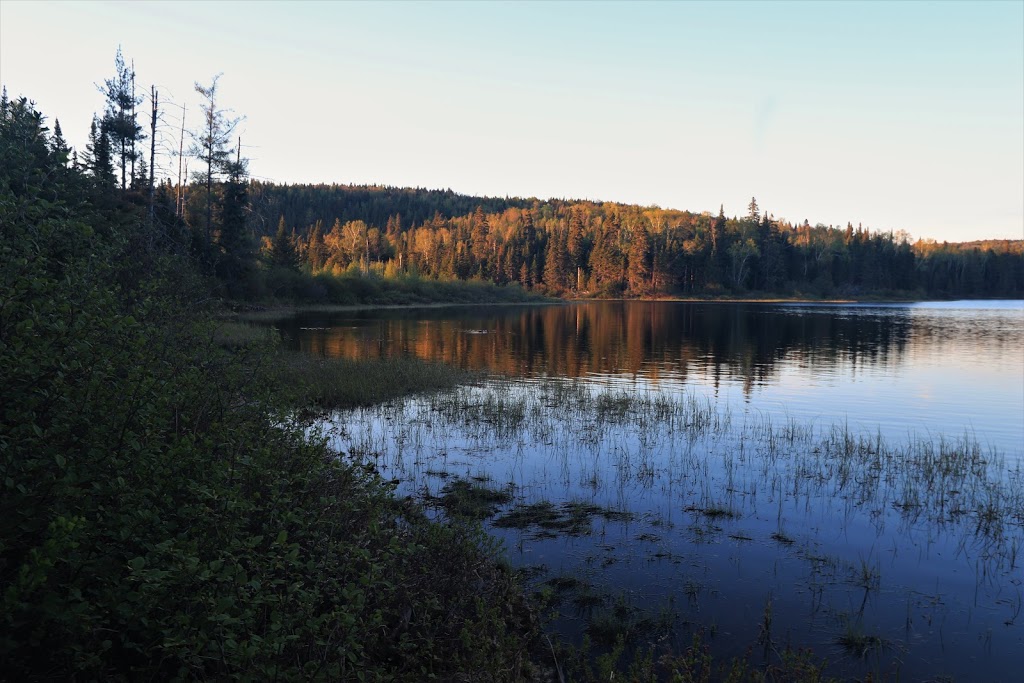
<point>282,250</point>
<point>98,159</point>
<point>556,262</point>
<point>212,145</point>
<point>59,145</point>
<point>235,250</point>
<point>638,272</point>
<point>119,116</point>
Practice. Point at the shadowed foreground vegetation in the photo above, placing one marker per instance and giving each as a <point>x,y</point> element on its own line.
<point>163,516</point>
<point>338,383</point>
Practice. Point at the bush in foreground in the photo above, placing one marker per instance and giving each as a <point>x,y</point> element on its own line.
<point>161,515</point>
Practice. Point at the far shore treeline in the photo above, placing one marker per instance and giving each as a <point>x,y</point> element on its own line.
<point>583,248</point>
<point>347,244</point>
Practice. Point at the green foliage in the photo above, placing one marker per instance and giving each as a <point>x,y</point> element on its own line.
<point>338,383</point>
<point>162,515</point>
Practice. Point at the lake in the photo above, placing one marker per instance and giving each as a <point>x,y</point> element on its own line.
<point>842,477</point>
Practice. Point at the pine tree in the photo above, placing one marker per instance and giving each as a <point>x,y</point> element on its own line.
<point>235,248</point>
<point>119,117</point>
<point>212,144</point>
<point>97,158</point>
<point>282,250</point>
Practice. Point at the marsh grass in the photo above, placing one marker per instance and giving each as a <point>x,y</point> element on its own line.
<point>234,334</point>
<point>612,438</point>
<point>469,500</point>
<point>713,511</point>
<point>579,453</point>
<point>624,622</point>
<point>783,538</point>
<point>573,518</point>
<point>858,644</point>
<point>341,383</point>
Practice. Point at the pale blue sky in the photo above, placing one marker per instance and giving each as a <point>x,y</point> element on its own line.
<point>900,116</point>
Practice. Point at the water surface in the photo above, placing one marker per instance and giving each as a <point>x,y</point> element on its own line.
<point>927,368</point>
<point>853,471</point>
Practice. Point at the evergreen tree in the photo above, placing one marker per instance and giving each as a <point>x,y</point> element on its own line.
<point>235,248</point>
<point>316,251</point>
<point>58,145</point>
<point>212,144</point>
<point>753,213</point>
<point>282,250</point>
<point>119,117</point>
<point>98,159</point>
<point>556,262</point>
<point>479,236</point>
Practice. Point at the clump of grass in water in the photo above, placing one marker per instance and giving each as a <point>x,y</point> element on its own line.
<point>563,583</point>
<point>713,511</point>
<point>573,518</point>
<point>782,537</point>
<point>468,500</point>
<point>858,644</point>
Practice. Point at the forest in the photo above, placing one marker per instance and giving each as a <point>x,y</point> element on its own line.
<point>335,243</point>
<point>579,249</point>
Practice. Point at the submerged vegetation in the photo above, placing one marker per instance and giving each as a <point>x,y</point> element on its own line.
<point>611,473</point>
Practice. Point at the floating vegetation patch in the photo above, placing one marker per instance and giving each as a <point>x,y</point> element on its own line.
<point>782,537</point>
<point>573,518</point>
<point>713,511</point>
<point>855,643</point>
<point>470,500</point>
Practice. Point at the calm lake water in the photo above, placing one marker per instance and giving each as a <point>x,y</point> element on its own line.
<point>848,475</point>
<point>926,368</point>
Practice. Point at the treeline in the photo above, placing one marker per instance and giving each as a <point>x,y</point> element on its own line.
<point>389,245</point>
<point>582,248</point>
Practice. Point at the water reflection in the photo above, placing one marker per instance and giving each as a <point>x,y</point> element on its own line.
<point>927,368</point>
<point>611,338</point>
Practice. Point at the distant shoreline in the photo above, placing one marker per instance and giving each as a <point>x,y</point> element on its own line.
<point>269,312</point>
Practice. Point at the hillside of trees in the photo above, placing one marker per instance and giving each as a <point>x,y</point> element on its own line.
<point>581,248</point>
<point>387,245</point>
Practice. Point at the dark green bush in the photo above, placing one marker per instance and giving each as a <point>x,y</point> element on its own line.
<point>161,515</point>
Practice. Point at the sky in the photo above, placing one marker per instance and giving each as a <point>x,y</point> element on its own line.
<point>897,116</point>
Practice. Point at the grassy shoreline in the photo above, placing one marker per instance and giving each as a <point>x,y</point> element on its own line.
<point>272,311</point>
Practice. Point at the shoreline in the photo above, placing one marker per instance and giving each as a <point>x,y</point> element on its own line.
<point>242,311</point>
